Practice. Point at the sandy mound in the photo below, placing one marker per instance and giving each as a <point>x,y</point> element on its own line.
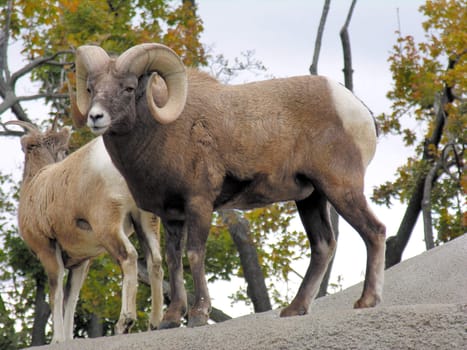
<point>424,307</point>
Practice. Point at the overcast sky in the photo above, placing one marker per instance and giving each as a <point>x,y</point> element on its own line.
<point>282,34</point>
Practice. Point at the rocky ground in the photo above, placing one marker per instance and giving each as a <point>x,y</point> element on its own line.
<point>424,307</point>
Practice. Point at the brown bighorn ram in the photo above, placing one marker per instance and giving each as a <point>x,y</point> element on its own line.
<point>75,209</point>
<point>212,146</point>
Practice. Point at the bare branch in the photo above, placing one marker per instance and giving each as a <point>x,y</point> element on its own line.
<point>431,177</point>
<point>12,101</point>
<point>458,160</point>
<point>4,35</point>
<point>344,34</point>
<point>43,95</point>
<point>8,132</point>
<point>426,203</point>
<point>224,71</point>
<point>38,62</point>
<point>319,36</point>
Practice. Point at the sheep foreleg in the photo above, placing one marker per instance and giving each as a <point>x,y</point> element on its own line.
<point>127,257</point>
<point>174,233</point>
<point>198,224</point>
<point>149,237</point>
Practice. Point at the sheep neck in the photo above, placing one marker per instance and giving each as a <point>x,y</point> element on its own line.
<point>130,153</point>
<point>36,159</point>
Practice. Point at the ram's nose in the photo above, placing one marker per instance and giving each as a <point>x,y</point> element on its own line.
<point>95,117</point>
<point>98,119</point>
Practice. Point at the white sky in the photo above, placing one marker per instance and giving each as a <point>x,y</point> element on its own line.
<point>282,34</point>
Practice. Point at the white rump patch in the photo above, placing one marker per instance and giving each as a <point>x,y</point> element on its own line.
<point>357,119</point>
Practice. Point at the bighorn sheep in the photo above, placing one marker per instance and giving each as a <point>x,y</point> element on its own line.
<point>212,146</point>
<point>75,209</point>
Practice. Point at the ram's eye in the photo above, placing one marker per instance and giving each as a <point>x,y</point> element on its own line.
<point>129,89</point>
<point>88,90</point>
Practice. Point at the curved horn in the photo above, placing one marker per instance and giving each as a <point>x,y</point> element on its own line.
<point>25,125</point>
<point>89,59</point>
<point>158,58</point>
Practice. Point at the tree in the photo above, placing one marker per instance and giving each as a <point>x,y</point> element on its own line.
<point>18,272</point>
<point>49,32</point>
<point>430,92</point>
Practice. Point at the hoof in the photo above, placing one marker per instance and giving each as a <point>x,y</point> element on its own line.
<point>366,302</point>
<point>56,340</point>
<point>289,311</point>
<point>124,327</point>
<point>168,324</point>
<point>197,320</point>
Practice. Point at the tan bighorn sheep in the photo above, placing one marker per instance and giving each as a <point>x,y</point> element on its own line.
<point>213,146</point>
<point>75,209</point>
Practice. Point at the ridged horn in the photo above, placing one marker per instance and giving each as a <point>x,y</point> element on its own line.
<point>25,125</point>
<point>158,58</point>
<point>89,58</point>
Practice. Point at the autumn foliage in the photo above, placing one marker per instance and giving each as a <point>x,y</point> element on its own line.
<point>429,111</point>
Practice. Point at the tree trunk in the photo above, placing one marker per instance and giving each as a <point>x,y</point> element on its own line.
<point>426,204</point>
<point>41,314</point>
<point>395,245</point>
<point>239,229</point>
<point>95,327</point>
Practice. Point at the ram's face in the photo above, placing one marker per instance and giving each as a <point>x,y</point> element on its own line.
<point>112,104</point>
<point>105,87</point>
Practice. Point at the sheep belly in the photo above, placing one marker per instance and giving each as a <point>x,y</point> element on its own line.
<point>262,190</point>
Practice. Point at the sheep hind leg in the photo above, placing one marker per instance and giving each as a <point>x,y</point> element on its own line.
<point>351,204</point>
<point>315,216</point>
<point>174,234</point>
<point>121,249</point>
<point>148,231</point>
<point>51,259</point>
<point>75,281</point>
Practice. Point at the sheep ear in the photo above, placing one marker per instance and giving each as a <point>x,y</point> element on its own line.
<point>66,132</point>
<point>24,143</point>
<point>79,120</point>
